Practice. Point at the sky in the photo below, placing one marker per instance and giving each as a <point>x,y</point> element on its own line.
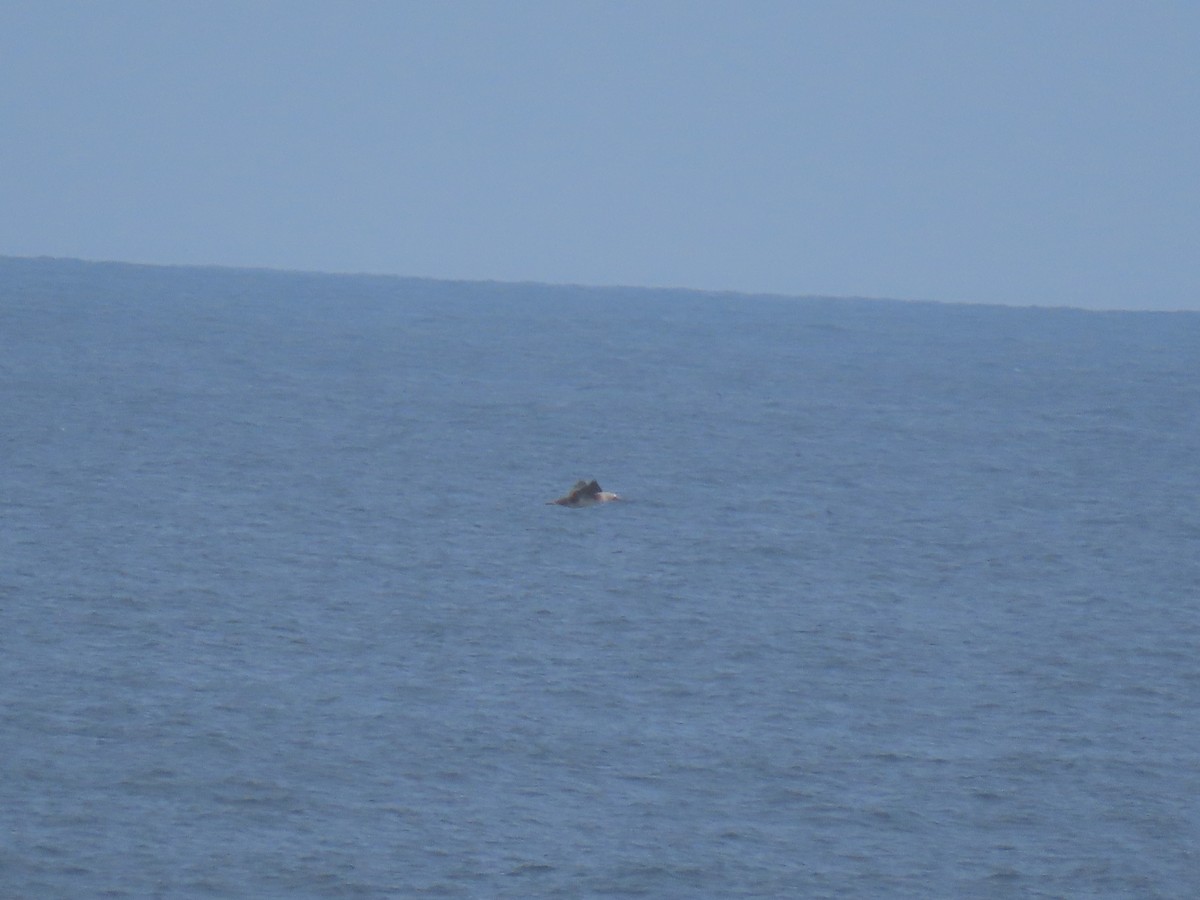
<point>1031,153</point>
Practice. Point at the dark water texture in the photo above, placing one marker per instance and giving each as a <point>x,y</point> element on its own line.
<point>904,600</point>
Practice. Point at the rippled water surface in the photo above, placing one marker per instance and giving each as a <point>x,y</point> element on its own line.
<point>903,600</point>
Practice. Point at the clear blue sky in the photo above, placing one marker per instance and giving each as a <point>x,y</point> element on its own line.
<point>1040,153</point>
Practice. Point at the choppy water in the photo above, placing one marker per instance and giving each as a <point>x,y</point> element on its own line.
<point>904,601</point>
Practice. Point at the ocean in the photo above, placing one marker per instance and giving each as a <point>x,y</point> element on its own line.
<point>901,599</point>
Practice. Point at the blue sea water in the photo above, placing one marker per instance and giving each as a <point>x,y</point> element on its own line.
<point>903,599</point>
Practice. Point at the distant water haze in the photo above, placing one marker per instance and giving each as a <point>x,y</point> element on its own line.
<point>901,599</point>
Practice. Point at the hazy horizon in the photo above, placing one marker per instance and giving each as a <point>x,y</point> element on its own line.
<point>551,285</point>
<point>1020,154</point>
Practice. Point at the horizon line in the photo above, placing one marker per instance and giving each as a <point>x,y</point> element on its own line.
<point>712,292</point>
